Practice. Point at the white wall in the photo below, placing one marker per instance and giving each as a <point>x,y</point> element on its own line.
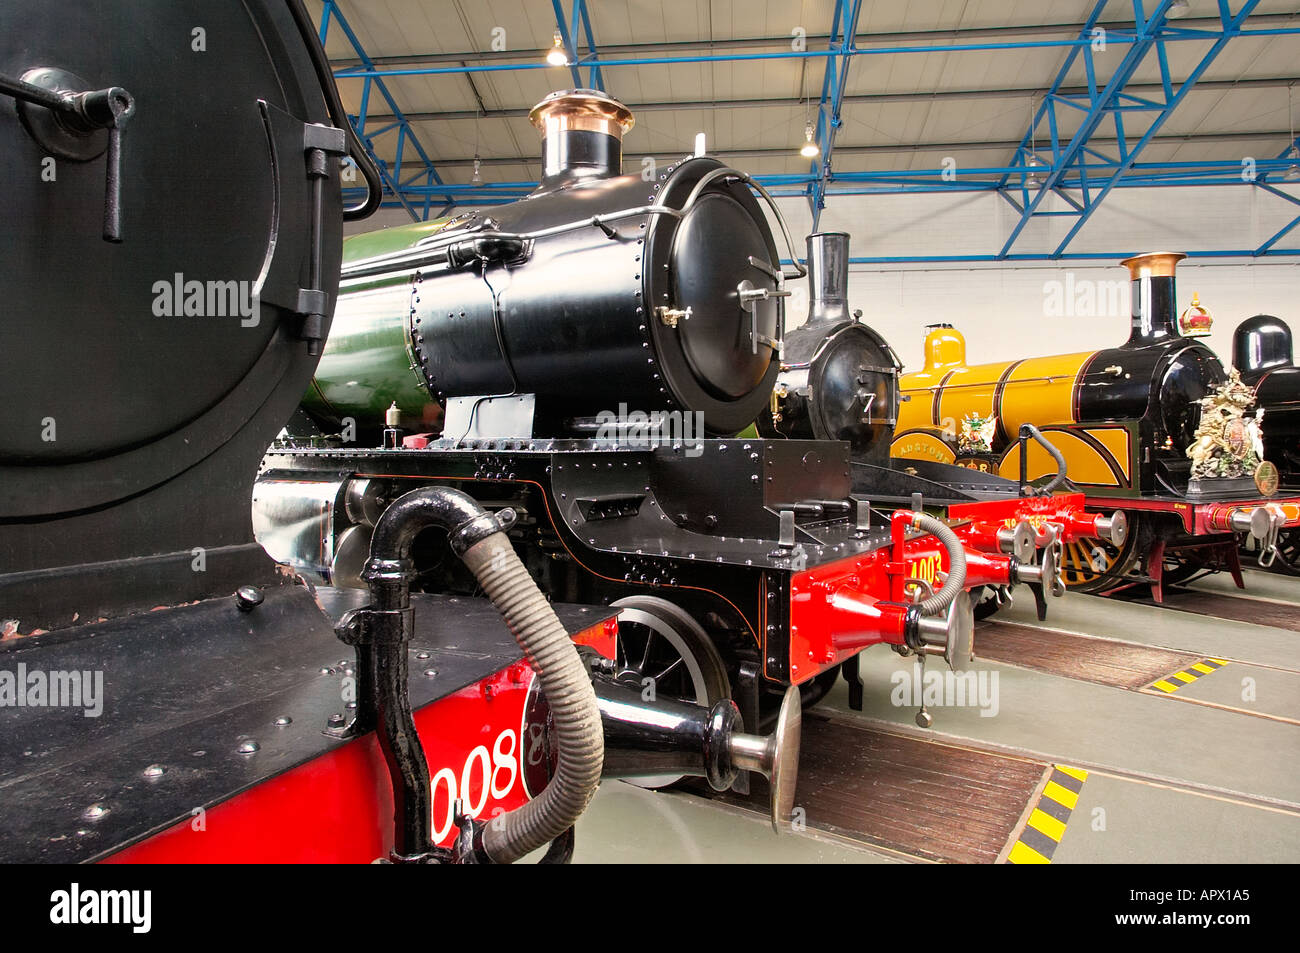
<point>1002,308</point>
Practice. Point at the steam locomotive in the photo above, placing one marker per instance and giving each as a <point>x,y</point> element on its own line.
<point>1123,418</point>
<point>167,691</point>
<point>839,380</point>
<point>1262,354</point>
<point>581,357</point>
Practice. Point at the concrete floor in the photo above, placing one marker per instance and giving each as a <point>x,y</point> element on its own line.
<point>1207,774</point>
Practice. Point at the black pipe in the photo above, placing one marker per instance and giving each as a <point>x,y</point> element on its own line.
<point>385,677</point>
<point>450,509</point>
<point>384,629</point>
<point>383,656</point>
<point>1027,431</point>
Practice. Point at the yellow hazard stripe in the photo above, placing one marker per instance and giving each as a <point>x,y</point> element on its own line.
<point>1023,854</point>
<point>1060,795</point>
<point>1176,680</point>
<point>1048,817</point>
<point>1047,824</point>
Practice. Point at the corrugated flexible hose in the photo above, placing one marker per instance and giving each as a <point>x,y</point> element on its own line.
<point>956,580</point>
<point>567,686</point>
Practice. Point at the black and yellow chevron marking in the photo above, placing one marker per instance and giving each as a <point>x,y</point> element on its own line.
<point>1046,823</point>
<point>1171,683</point>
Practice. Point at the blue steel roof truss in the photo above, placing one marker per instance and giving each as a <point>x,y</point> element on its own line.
<point>1081,173</point>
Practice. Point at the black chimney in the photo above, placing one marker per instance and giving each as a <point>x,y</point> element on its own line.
<point>1154,302</point>
<point>828,278</point>
<point>582,135</point>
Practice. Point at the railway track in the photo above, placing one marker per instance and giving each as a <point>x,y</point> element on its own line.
<point>1244,607</point>
<point>1159,731</point>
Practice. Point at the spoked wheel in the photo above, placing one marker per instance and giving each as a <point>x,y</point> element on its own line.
<point>1092,564</point>
<point>1180,567</point>
<point>1288,552</point>
<point>661,648</point>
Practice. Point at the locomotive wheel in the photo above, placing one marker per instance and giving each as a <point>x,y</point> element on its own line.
<point>1178,568</point>
<point>813,691</point>
<point>1092,564</point>
<point>659,640</point>
<point>1288,552</point>
<point>985,601</point>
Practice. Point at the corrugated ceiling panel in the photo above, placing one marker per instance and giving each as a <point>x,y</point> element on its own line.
<point>411,27</point>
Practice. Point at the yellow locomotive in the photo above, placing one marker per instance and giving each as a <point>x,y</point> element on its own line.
<point>1123,417</point>
<point>956,413</point>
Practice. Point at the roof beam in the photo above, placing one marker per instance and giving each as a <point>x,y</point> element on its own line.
<point>569,38</point>
<point>1001,145</point>
<point>597,79</point>
<point>834,81</point>
<point>783,42</point>
<point>330,15</point>
<point>1110,102</point>
<point>1230,26</point>
<point>1119,37</point>
<point>864,99</point>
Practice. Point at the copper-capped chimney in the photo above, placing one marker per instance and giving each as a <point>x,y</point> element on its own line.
<point>828,277</point>
<point>1154,302</point>
<point>582,135</point>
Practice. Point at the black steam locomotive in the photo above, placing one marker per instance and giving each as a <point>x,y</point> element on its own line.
<point>167,691</point>
<point>581,357</point>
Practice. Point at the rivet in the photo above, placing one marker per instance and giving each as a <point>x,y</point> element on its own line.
<point>248,598</point>
<point>154,771</point>
<point>283,721</point>
<point>249,746</point>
